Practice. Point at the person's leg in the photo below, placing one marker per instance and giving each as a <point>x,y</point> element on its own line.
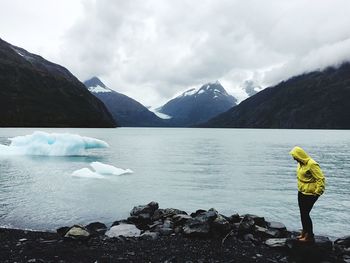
<point>306,202</point>
<point>301,204</point>
<point>310,201</point>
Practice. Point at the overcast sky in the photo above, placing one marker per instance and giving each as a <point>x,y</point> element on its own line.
<point>154,49</point>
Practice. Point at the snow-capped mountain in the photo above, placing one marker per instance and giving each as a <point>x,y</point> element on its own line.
<point>126,110</point>
<point>35,92</point>
<point>198,105</point>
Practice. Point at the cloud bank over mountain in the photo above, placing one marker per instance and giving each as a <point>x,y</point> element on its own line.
<point>152,50</point>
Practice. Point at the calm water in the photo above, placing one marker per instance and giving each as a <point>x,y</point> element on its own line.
<point>232,170</point>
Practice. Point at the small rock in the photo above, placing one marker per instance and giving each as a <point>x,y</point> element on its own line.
<point>126,230</point>
<point>196,228</point>
<point>77,232</point>
<point>344,241</point>
<point>168,212</point>
<point>276,242</point>
<point>267,233</point>
<point>199,211</point>
<point>248,237</point>
<point>246,226</point>
<point>165,231</point>
<point>96,228</point>
<point>235,218</point>
<point>62,230</point>
<point>220,225</point>
<point>181,219</point>
<point>150,235</point>
<point>277,225</point>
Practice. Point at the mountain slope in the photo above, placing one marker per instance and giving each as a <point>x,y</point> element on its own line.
<point>126,110</point>
<point>37,93</point>
<point>196,106</point>
<point>317,100</point>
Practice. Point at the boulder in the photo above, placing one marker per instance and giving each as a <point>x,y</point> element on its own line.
<point>220,225</point>
<point>267,233</point>
<point>276,242</point>
<point>77,232</point>
<point>196,228</point>
<point>235,218</point>
<point>142,221</point>
<point>119,222</point>
<point>150,235</point>
<point>207,216</point>
<point>343,241</point>
<point>62,230</point>
<point>258,220</point>
<point>318,251</point>
<point>141,215</point>
<point>168,224</point>
<point>144,210</point>
<point>165,231</point>
<point>246,225</point>
<point>126,230</point>
<point>181,219</point>
<point>277,225</point>
<point>199,211</point>
<point>168,212</point>
<point>96,228</point>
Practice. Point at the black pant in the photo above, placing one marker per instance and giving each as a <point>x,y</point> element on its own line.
<point>306,202</point>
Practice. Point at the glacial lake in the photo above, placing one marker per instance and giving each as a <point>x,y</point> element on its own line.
<point>233,170</point>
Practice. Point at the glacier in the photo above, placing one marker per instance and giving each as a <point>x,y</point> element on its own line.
<point>51,144</point>
<point>100,170</point>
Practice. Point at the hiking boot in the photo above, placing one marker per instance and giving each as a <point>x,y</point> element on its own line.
<point>302,235</point>
<point>307,238</point>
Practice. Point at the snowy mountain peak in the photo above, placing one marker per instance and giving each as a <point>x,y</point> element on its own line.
<point>213,89</point>
<point>95,85</point>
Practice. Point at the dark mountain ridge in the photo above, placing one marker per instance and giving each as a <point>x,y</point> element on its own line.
<point>126,110</point>
<point>315,100</point>
<point>37,93</point>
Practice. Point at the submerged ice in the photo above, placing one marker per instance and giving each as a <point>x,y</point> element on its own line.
<point>100,170</point>
<point>50,144</point>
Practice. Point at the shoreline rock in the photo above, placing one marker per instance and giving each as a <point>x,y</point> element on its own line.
<point>150,232</point>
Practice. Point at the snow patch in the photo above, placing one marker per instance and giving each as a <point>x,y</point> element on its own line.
<point>50,144</point>
<point>200,92</point>
<point>100,170</point>
<point>189,92</point>
<point>99,89</point>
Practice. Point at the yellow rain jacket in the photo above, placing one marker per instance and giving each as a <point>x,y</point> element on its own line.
<point>311,180</point>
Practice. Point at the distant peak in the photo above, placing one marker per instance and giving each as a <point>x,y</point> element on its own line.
<point>94,82</point>
<point>213,87</point>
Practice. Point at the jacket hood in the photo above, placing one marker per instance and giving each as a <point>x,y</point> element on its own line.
<point>299,154</point>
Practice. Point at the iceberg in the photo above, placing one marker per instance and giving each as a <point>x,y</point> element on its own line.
<point>100,170</point>
<point>51,144</point>
<point>87,173</point>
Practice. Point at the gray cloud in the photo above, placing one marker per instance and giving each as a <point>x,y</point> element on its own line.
<point>153,49</point>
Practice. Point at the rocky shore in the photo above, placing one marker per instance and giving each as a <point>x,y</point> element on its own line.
<point>152,234</point>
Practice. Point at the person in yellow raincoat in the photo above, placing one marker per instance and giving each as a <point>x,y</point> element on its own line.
<point>311,185</point>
